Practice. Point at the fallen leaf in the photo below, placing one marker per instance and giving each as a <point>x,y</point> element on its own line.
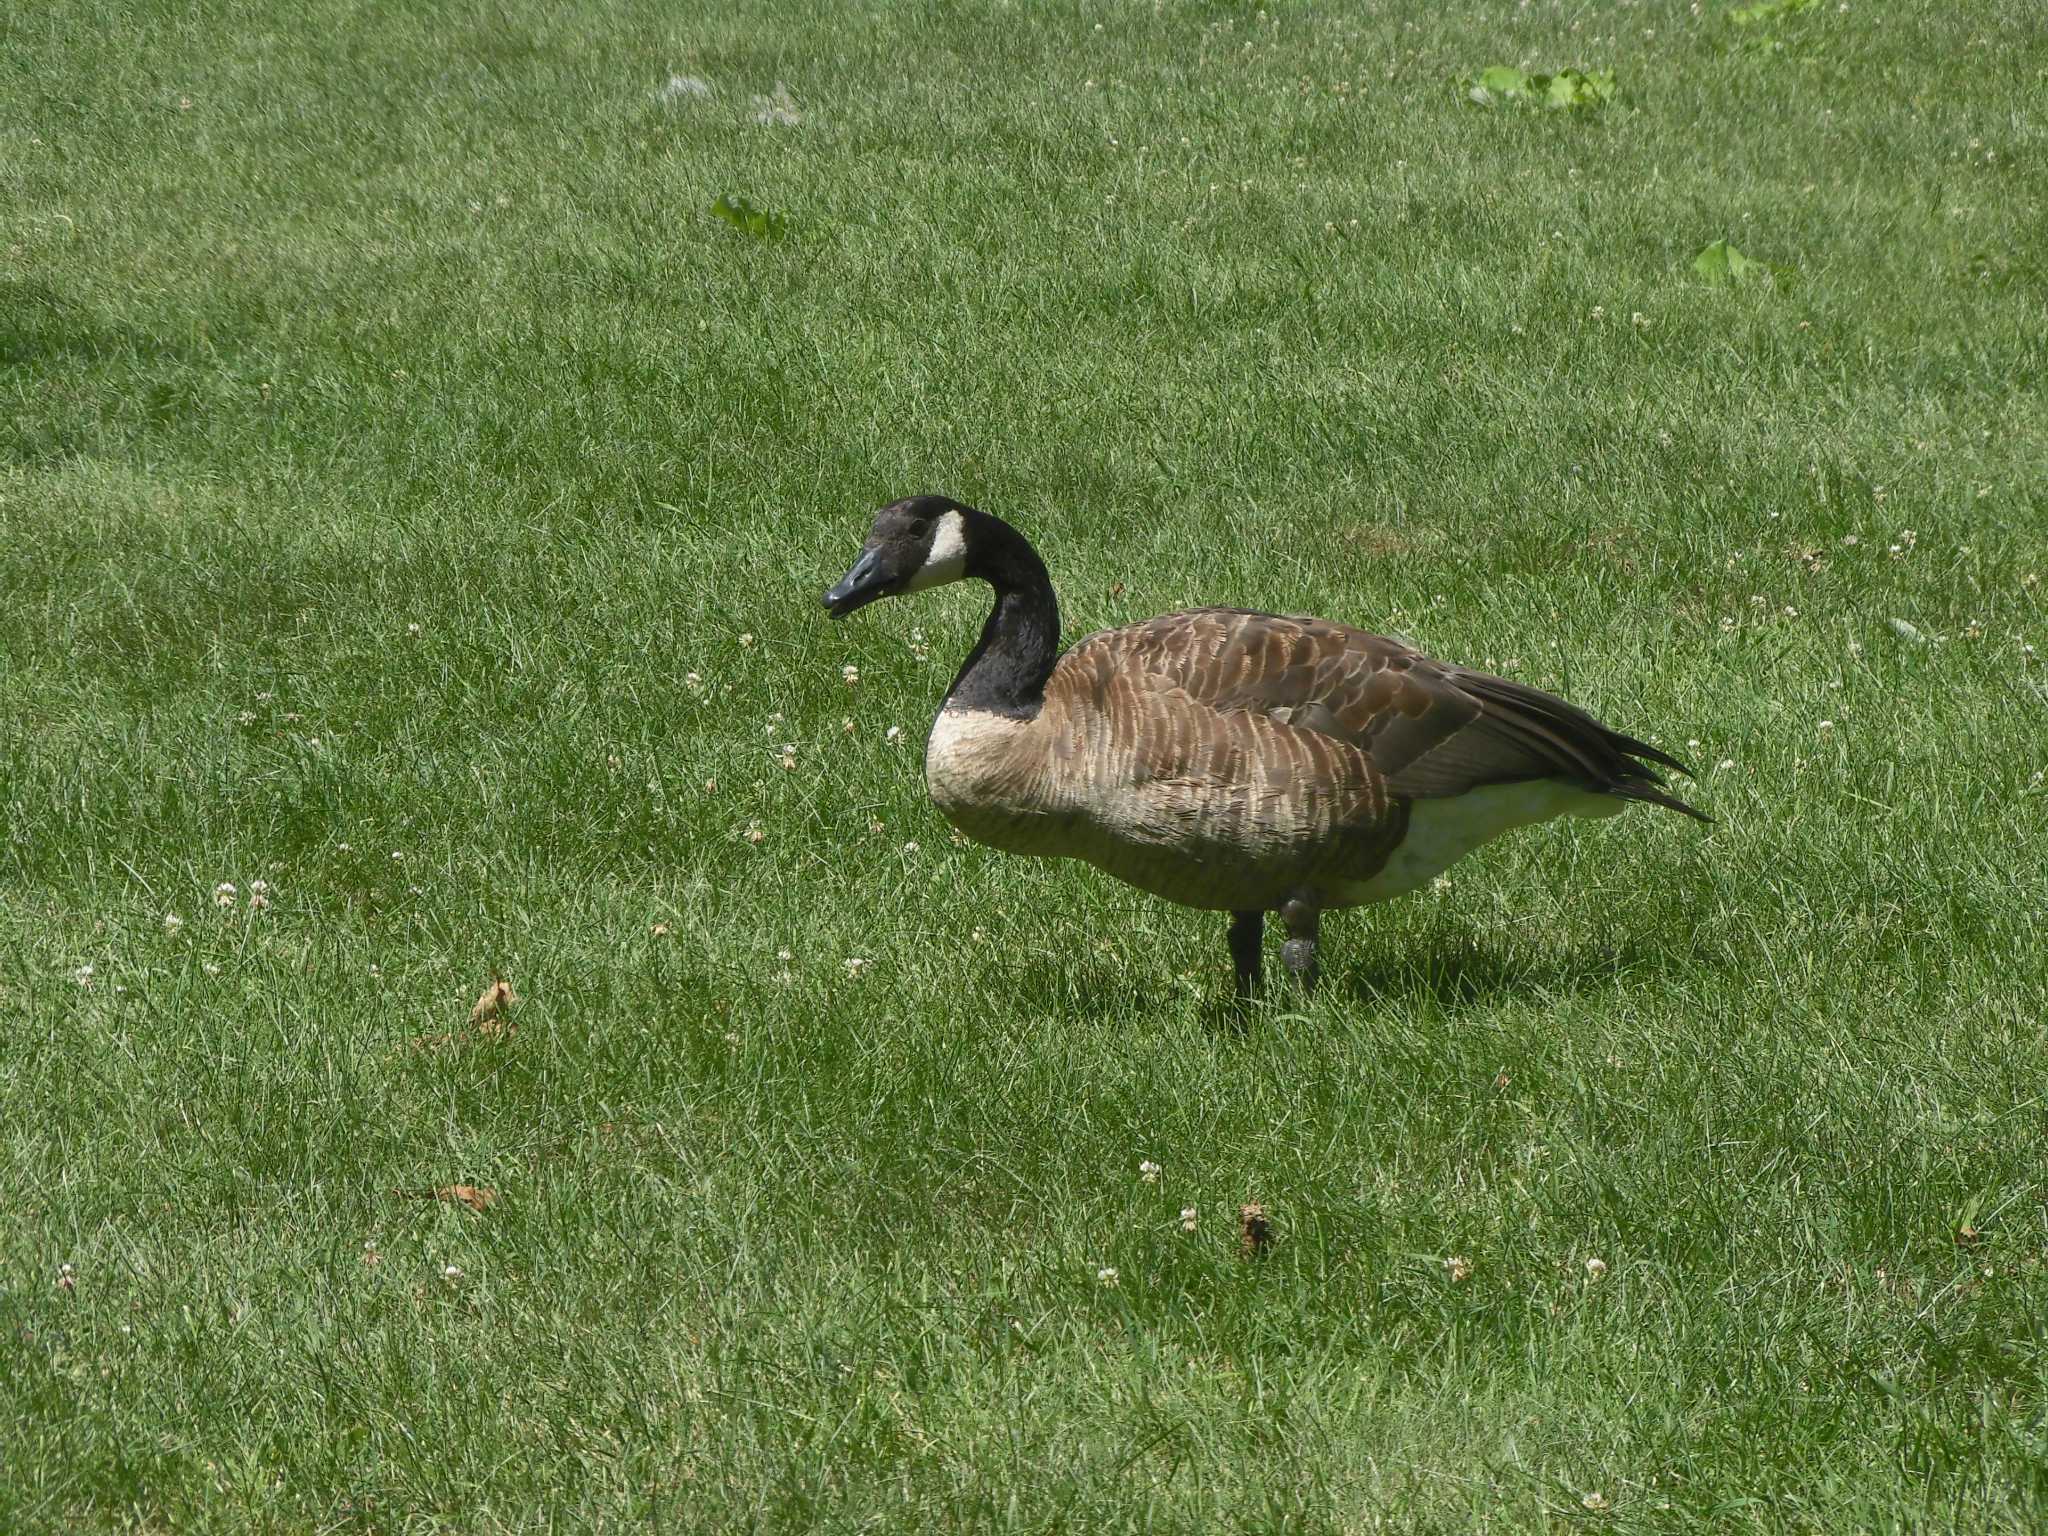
<point>490,1016</point>
<point>1254,1230</point>
<point>475,1196</point>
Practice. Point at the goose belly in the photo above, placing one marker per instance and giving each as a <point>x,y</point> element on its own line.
<point>1441,832</point>
<point>1200,841</point>
<point>1214,842</point>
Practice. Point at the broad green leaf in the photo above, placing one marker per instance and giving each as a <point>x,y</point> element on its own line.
<point>1568,88</point>
<point>1721,262</point>
<point>1575,88</point>
<point>758,222</point>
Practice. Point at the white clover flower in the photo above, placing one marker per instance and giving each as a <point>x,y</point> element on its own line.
<point>173,922</point>
<point>1825,725</point>
<point>1596,1502</point>
<point>680,87</point>
<point>849,674</point>
<point>224,894</point>
<point>694,681</point>
<point>450,1273</point>
<point>1106,1275</point>
<point>784,956</point>
<point>83,975</point>
<point>893,735</point>
<point>1149,1171</point>
<point>856,968</point>
<point>779,110</point>
<point>1459,1268</point>
<point>910,847</point>
<point>413,630</point>
<point>1725,764</point>
<point>1596,1269</point>
<point>260,887</point>
<point>209,967</point>
<point>754,834</point>
<point>746,642</point>
<point>259,902</point>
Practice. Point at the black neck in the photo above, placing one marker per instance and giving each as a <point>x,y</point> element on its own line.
<point>1006,671</point>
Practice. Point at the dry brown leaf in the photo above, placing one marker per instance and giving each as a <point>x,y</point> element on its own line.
<point>475,1196</point>
<point>492,1013</point>
<point>1254,1230</point>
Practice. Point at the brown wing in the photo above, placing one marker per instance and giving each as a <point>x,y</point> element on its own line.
<point>1429,729</point>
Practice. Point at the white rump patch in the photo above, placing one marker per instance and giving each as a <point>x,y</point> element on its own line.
<point>1441,832</point>
<point>948,558</point>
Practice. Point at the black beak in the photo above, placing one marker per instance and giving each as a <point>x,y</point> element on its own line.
<point>859,586</point>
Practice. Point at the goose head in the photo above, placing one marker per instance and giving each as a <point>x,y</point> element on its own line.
<point>919,542</point>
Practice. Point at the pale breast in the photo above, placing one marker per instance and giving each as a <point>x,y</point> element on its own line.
<point>989,775</point>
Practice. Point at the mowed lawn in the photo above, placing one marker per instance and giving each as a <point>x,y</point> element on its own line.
<point>413,508</point>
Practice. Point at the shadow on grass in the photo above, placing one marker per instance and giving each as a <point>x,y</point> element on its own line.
<point>1469,976</point>
<point>1457,979</point>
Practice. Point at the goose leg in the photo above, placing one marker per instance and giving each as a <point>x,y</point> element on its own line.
<point>1247,937</point>
<point>1304,920</point>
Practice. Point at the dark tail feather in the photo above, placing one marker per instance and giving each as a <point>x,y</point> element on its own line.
<point>1574,744</point>
<point>1639,783</point>
<point>1636,748</point>
<point>1646,789</point>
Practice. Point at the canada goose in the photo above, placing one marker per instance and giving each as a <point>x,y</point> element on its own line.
<point>1233,761</point>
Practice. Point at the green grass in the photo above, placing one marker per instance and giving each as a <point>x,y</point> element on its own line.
<point>325,320</point>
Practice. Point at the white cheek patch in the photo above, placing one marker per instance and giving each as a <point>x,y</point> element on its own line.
<point>948,558</point>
